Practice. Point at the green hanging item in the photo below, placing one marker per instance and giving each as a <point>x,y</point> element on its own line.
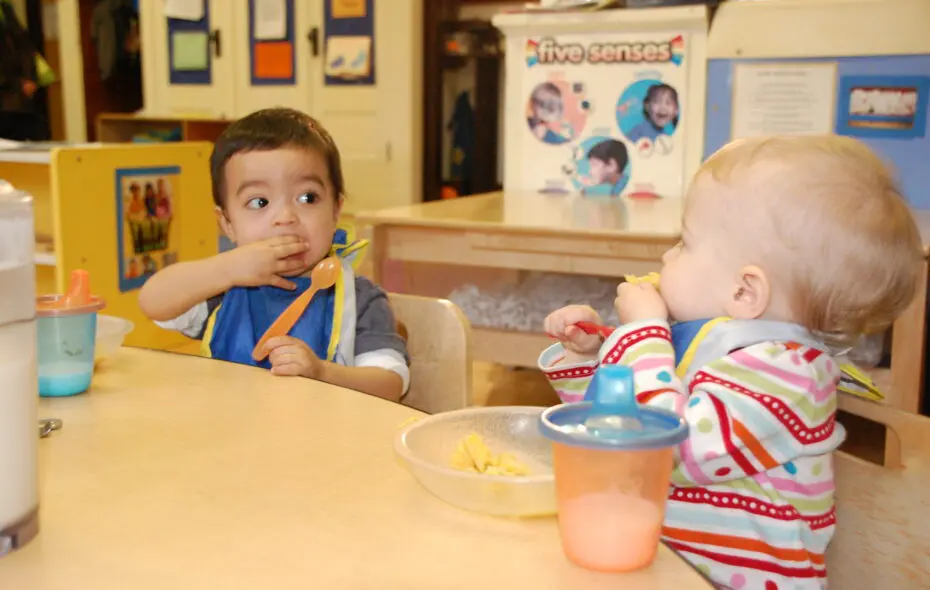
<point>45,75</point>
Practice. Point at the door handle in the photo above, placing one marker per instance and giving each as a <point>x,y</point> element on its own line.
<point>215,41</point>
<point>314,38</point>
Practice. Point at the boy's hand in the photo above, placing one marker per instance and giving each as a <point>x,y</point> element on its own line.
<point>292,358</point>
<point>639,301</point>
<point>560,324</point>
<point>264,263</point>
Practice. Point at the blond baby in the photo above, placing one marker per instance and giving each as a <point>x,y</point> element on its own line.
<point>791,248</point>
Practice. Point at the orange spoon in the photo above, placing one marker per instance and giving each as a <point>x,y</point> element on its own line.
<point>323,276</point>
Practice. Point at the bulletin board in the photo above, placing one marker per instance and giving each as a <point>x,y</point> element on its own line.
<point>272,59</point>
<point>601,111</point>
<point>190,60</point>
<point>349,42</point>
<point>91,195</point>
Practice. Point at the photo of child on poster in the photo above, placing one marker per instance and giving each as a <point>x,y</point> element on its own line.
<point>145,216</point>
<point>648,110</point>
<point>556,111</point>
<point>602,166</point>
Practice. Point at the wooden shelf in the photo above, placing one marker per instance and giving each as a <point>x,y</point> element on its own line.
<point>123,128</point>
<point>45,252</point>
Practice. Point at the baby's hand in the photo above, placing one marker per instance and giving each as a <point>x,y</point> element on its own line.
<point>292,358</point>
<point>560,324</point>
<point>264,263</point>
<point>639,301</point>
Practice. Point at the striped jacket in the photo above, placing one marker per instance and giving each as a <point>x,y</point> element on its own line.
<point>751,499</point>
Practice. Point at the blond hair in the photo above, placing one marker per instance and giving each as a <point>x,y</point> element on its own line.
<point>853,248</point>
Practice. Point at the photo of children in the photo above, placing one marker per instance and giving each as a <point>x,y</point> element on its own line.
<point>648,110</point>
<point>556,111</point>
<point>888,107</point>
<point>145,216</point>
<point>602,166</point>
<point>882,107</point>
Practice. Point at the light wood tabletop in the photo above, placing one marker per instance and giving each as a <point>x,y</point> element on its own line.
<point>558,213</point>
<point>535,212</point>
<point>181,472</point>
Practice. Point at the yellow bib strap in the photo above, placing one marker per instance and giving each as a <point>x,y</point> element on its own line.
<point>682,369</point>
<point>208,334</point>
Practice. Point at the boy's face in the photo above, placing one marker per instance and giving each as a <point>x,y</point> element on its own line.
<point>662,109</point>
<point>281,192</point>
<point>603,172</point>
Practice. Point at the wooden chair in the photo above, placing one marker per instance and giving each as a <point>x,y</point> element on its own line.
<point>882,539</point>
<point>439,343</point>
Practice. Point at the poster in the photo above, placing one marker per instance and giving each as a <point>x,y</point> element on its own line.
<point>348,57</point>
<point>602,114</point>
<point>783,98</point>
<point>190,51</point>
<point>349,8</point>
<point>890,107</point>
<point>146,222</point>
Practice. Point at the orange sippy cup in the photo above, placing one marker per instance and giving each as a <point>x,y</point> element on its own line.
<point>612,461</point>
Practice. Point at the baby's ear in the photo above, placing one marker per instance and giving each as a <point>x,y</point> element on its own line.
<point>751,295</point>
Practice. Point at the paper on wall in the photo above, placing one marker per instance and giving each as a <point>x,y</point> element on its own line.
<point>192,10</point>
<point>190,51</point>
<point>349,8</point>
<point>270,22</point>
<point>348,57</point>
<point>783,98</point>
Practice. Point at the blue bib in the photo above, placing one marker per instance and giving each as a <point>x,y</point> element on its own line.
<point>247,312</point>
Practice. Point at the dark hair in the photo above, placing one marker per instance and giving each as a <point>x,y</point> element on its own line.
<point>610,149</point>
<point>272,129</point>
<point>653,93</point>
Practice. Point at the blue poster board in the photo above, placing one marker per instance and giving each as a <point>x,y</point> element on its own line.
<point>345,32</point>
<point>200,76</point>
<point>266,56</point>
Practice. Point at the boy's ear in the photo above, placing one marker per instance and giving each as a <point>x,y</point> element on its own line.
<point>337,210</point>
<point>223,221</point>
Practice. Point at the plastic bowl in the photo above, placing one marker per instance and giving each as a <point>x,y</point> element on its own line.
<point>426,447</point>
<point>111,331</point>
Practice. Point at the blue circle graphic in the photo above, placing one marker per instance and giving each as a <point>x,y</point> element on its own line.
<point>637,120</point>
<point>602,166</point>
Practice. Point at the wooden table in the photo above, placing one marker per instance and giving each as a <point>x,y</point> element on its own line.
<point>432,248</point>
<point>180,472</point>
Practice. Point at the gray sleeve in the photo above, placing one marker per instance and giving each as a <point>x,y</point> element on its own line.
<point>376,328</point>
<point>212,304</point>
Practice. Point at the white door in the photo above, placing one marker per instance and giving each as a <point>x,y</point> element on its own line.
<point>263,65</point>
<point>378,128</point>
<point>193,62</point>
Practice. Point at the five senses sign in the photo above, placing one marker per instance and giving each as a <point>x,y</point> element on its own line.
<point>548,51</point>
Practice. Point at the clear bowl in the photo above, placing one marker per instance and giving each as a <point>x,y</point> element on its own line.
<point>111,331</point>
<point>426,447</point>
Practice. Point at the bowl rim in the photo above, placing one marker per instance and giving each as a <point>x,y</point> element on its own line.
<point>127,325</point>
<point>404,452</point>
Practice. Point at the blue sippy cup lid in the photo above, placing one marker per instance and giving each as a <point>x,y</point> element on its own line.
<point>610,417</point>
